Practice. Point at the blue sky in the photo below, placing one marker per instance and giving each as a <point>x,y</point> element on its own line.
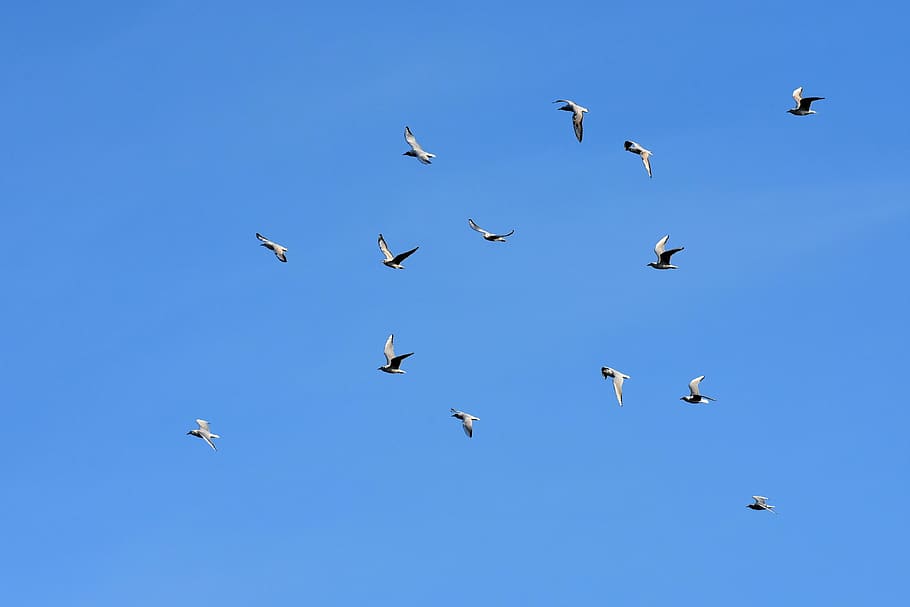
<point>144,147</point>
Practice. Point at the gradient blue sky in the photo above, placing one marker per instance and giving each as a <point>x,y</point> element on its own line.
<point>144,146</point>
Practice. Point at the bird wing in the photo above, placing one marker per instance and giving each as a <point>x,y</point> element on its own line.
<point>760,499</point>
<point>396,360</point>
<point>666,255</point>
<point>412,141</point>
<point>385,249</point>
<point>280,254</point>
<point>577,118</point>
<point>504,235</point>
<point>402,256</point>
<point>693,385</point>
<point>203,425</point>
<point>646,160</point>
<point>797,95</point>
<point>631,146</point>
<point>467,424</point>
<point>389,349</point>
<point>661,245</point>
<point>806,102</point>
<point>477,228</point>
<point>209,441</point>
<point>263,239</point>
<point>618,378</point>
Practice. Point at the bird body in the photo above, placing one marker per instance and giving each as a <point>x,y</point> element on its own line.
<point>803,104</point>
<point>761,503</point>
<point>664,255</point>
<point>695,397</point>
<point>274,247</point>
<point>393,261</point>
<point>392,362</point>
<point>416,151</point>
<point>467,421</point>
<point>618,378</point>
<point>204,433</point>
<point>489,235</point>
<point>631,146</point>
<point>578,116</point>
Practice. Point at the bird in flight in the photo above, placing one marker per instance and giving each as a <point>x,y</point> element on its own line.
<point>695,397</point>
<point>204,433</point>
<point>802,103</point>
<point>467,421</point>
<point>633,147</point>
<point>761,503</point>
<point>416,151</point>
<point>578,115</point>
<point>489,235</point>
<point>393,261</point>
<point>618,378</point>
<point>274,247</point>
<point>392,362</point>
<point>664,255</point>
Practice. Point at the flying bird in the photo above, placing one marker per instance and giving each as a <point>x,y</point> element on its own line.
<point>392,362</point>
<point>578,115</point>
<point>633,147</point>
<point>489,235</point>
<point>204,433</point>
<point>695,397</point>
<point>467,421</point>
<point>618,378</point>
<point>416,151</point>
<point>393,261</point>
<point>274,247</point>
<point>802,103</point>
<point>761,503</point>
<point>663,255</point>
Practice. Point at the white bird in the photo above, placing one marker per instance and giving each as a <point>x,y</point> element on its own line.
<point>489,235</point>
<point>578,115</point>
<point>618,378</point>
<point>392,362</point>
<point>467,421</point>
<point>276,248</point>
<point>393,261</point>
<point>761,503</point>
<point>204,433</point>
<point>663,255</point>
<point>695,397</point>
<point>802,103</point>
<point>416,151</point>
<point>635,148</point>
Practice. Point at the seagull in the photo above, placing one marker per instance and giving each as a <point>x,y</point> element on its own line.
<point>392,362</point>
<point>416,151</point>
<point>761,503</point>
<point>467,421</point>
<point>276,248</point>
<point>617,381</point>
<point>578,114</point>
<point>803,103</point>
<point>393,261</point>
<point>489,235</point>
<point>633,147</point>
<point>204,433</point>
<point>695,397</point>
<point>663,256</point>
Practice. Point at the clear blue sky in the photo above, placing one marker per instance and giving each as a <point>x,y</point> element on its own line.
<point>144,147</point>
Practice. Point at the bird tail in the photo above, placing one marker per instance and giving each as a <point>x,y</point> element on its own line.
<point>214,436</point>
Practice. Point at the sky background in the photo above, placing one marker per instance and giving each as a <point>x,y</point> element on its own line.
<point>144,146</point>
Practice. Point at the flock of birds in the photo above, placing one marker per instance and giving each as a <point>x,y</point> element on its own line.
<point>391,260</point>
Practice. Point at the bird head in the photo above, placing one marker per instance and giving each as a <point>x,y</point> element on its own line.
<point>653,264</point>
